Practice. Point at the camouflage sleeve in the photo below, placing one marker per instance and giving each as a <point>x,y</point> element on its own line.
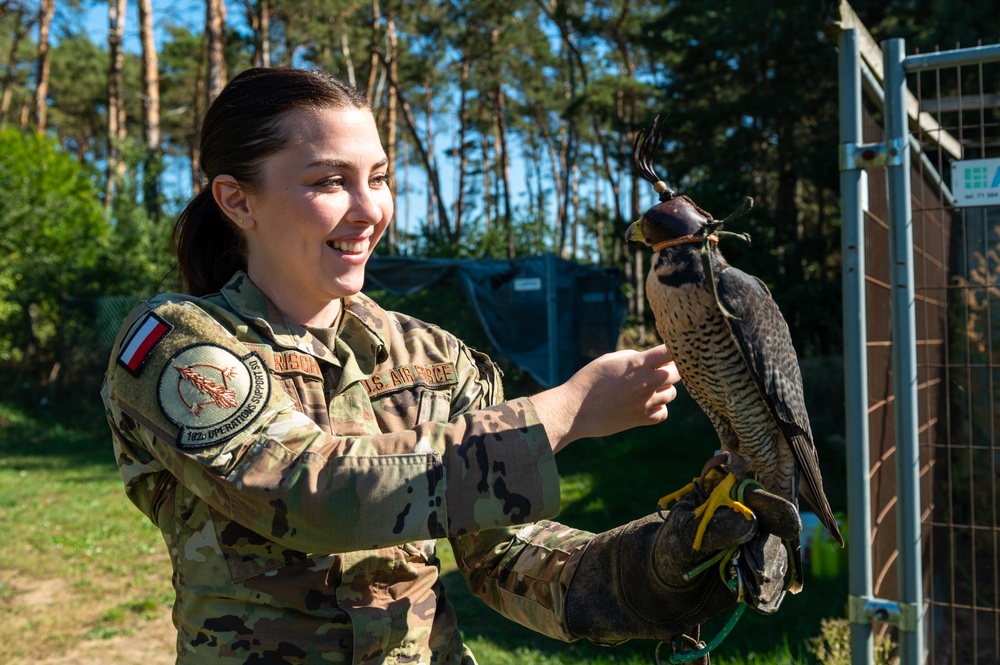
<point>184,389</point>
<point>523,573</point>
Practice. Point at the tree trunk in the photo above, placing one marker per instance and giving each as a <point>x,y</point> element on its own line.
<point>258,17</point>
<point>540,207</point>
<point>390,139</point>
<point>463,159</point>
<point>599,218</point>
<point>215,22</point>
<point>262,57</point>
<point>374,60</point>
<point>575,226</point>
<point>289,42</point>
<point>116,98</point>
<point>198,105</point>
<point>23,27</point>
<point>434,199</point>
<point>487,185</point>
<point>615,183</point>
<point>150,112</point>
<point>568,153</point>
<point>47,12</point>
<point>554,162</point>
<point>500,150</point>
<point>345,48</point>
<point>503,168</point>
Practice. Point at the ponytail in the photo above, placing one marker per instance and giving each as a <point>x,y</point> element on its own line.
<point>209,250</point>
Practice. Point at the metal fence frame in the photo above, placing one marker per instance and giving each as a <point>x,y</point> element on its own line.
<point>906,612</point>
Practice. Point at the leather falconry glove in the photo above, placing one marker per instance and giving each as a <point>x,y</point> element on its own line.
<point>630,582</point>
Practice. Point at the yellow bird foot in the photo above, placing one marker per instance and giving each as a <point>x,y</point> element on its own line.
<point>674,496</point>
<point>721,496</point>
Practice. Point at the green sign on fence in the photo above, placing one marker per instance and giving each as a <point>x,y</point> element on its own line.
<point>976,182</point>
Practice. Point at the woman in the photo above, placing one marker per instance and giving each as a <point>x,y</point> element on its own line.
<point>301,449</point>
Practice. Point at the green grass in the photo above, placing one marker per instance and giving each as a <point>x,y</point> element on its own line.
<point>78,561</point>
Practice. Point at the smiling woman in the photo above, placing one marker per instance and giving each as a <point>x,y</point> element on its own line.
<point>301,449</point>
<point>321,206</point>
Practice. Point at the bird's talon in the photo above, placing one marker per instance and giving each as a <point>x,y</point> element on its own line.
<point>674,496</point>
<point>742,510</point>
<point>720,497</point>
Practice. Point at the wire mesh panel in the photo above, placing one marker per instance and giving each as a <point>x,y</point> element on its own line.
<point>962,529</point>
<point>932,221</point>
<point>956,269</point>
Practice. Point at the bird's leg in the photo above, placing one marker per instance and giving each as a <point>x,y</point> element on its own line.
<point>717,472</point>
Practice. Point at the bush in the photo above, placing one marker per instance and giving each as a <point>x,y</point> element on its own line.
<point>60,247</point>
<point>833,645</point>
<point>51,228</point>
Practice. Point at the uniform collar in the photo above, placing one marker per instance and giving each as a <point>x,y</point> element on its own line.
<point>360,341</point>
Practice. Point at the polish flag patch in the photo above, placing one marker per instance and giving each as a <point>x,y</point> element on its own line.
<point>141,342</point>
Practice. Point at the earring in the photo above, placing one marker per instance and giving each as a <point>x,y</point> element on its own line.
<point>239,222</point>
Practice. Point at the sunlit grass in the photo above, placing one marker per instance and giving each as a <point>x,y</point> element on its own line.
<point>77,561</point>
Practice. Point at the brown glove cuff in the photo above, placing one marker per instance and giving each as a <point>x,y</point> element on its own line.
<point>617,592</point>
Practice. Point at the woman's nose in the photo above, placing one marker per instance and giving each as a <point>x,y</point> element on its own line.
<point>365,206</point>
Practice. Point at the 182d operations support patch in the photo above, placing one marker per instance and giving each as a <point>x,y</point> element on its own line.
<point>211,393</point>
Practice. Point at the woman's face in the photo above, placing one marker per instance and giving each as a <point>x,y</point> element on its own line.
<point>324,204</point>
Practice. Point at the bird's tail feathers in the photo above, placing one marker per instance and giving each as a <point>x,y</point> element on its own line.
<point>818,502</point>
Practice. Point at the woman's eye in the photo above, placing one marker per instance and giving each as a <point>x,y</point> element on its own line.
<point>334,181</point>
<point>380,180</point>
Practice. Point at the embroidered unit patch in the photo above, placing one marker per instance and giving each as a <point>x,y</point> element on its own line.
<point>212,394</point>
<point>140,343</point>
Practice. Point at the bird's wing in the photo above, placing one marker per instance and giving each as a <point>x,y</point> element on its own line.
<point>762,335</point>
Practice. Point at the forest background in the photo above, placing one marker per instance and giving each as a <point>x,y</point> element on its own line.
<point>509,126</point>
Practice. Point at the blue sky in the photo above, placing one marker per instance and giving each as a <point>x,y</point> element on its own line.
<point>185,12</point>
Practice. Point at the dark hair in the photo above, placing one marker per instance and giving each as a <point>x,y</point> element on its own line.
<point>242,127</point>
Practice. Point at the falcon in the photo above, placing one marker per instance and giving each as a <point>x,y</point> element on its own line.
<point>733,351</point>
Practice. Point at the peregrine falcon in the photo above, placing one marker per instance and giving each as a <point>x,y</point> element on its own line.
<point>732,348</point>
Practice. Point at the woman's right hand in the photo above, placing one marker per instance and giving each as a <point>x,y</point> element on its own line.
<point>613,393</point>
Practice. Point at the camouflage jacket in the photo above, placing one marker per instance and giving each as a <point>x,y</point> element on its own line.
<point>300,487</point>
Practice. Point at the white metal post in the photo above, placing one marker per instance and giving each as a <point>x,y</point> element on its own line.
<point>855,353</point>
<point>904,358</point>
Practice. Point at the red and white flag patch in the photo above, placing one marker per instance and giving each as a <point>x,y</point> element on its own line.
<point>140,343</point>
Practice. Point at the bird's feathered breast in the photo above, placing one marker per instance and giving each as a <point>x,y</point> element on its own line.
<point>678,266</point>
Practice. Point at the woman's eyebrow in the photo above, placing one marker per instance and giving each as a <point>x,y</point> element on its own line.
<point>341,163</point>
<point>329,162</point>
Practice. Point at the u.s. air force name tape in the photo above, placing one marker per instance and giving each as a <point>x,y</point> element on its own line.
<point>211,393</point>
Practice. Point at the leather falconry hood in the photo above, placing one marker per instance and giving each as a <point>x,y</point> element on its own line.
<point>676,214</point>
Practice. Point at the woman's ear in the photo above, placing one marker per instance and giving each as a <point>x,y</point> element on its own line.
<point>232,200</point>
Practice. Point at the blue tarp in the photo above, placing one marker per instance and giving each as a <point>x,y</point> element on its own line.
<point>547,315</point>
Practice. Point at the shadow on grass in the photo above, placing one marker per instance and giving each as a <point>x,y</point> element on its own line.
<point>72,437</point>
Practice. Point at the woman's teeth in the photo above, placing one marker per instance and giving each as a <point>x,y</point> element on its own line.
<point>347,246</point>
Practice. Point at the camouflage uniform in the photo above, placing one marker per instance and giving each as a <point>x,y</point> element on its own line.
<point>300,482</point>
